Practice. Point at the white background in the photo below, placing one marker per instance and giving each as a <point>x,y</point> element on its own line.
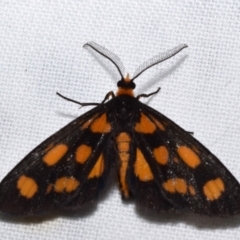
<point>41,53</point>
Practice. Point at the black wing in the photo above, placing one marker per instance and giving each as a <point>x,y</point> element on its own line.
<point>64,171</point>
<point>172,170</point>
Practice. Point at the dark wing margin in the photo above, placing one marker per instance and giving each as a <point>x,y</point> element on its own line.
<point>180,173</point>
<point>65,171</point>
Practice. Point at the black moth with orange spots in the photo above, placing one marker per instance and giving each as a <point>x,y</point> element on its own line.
<point>159,165</point>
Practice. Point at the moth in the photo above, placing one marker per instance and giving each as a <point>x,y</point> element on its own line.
<point>159,165</point>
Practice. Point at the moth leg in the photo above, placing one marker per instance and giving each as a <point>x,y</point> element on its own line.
<point>82,104</point>
<point>148,95</point>
<point>107,96</point>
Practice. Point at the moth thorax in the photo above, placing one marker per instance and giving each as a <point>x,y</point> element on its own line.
<point>124,107</point>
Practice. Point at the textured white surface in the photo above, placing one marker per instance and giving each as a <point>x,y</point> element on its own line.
<point>41,53</point>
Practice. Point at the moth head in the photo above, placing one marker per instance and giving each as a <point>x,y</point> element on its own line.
<point>126,83</point>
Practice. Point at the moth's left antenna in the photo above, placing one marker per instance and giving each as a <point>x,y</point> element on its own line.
<point>107,54</point>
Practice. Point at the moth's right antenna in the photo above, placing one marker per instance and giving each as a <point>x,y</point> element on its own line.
<point>157,59</point>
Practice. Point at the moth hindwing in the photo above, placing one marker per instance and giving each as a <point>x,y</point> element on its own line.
<point>159,165</point>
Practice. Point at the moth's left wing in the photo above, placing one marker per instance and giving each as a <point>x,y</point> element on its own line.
<point>65,171</point>
<point>173,168</point>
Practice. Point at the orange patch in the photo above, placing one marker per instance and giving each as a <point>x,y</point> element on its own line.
<point>98,168</point>
<point>141,167</point>
<point>123,137</point>
<point>161,154</point>
<point>55,154</point>
<point>159,124</point>
<point>123,91</point>
<point>122,174</point>
<point>145,125</point>
<point>175,185</point>
<point>101,125</point>
<point>213,189</point>
<point>189,156</point>
<point>67,184</point>
<point>123,145</point>
<point>123,140</point>
<point>191,190</point>
<point>82,153</point>
<point>27,186</point>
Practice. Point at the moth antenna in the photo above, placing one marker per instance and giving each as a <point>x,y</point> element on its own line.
<point>157,59</point>
<point>109,55</point>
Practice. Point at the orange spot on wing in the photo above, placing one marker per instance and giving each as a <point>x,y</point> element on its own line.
<point>161,154</point>
<point>55,154</point>
<point>141,167</point>
<point>67,184</point>
<point>98,168</point>
<point>101,125</point>
<point>213,189</point>
<point>189,156</point>
<point>27,186</point>
<point>175,185</point>
<point>123,145</point>
<point>82,153</point>
<point>145,125</point>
